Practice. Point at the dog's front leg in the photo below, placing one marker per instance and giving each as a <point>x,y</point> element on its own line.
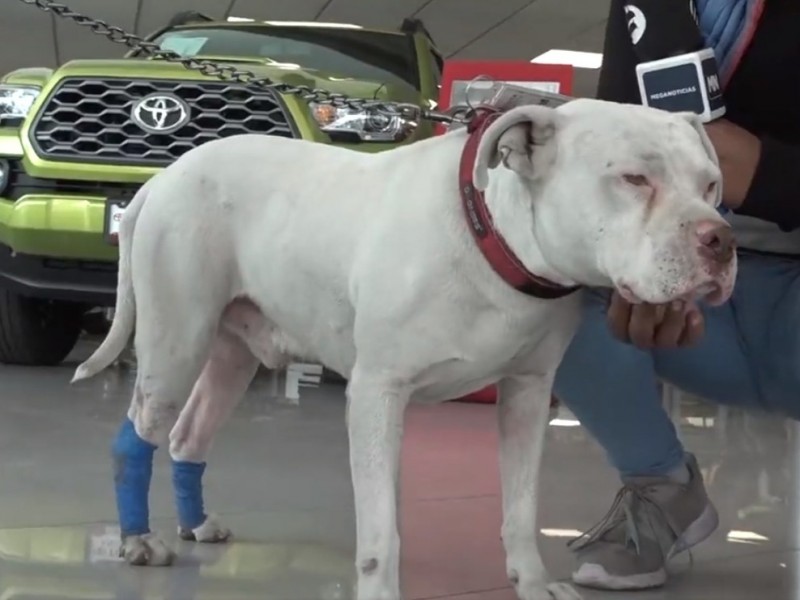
<point>375,425</point>
<point>524,407</point>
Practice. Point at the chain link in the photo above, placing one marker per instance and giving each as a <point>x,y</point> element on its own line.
<point>248,78</point>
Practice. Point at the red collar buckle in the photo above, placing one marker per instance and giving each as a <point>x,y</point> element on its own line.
<point>477,119</point>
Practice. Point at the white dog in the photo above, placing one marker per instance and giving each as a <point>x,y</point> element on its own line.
<point>256,249</point>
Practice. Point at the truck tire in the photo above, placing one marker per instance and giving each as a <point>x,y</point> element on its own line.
<point>95,323</point>
<point>36,332</point>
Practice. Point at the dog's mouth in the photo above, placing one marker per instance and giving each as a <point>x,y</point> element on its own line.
<point>712,293</point>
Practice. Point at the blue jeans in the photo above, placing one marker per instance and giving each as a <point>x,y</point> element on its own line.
<point>749,357</point>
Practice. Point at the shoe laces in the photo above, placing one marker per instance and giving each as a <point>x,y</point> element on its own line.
<point>630,499</point>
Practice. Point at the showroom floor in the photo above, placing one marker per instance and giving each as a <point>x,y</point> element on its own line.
<point>279,477</point>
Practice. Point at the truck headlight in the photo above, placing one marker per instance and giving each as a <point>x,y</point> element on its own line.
<point>365,125</point>
<point>16,101</point>
<point>5,172</point>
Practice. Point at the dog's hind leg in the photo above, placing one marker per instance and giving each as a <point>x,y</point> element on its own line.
<point>177,319</point>
<point>224,380</point>
<point>169,365</point>
<point>375,425</point>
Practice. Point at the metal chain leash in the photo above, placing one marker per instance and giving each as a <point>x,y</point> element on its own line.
<point>248,78</point>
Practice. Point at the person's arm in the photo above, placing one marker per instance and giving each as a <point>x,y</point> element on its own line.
<point>618,74</point>
<point>663,28</point>
<point>772,191</point>
<point>761,176</point>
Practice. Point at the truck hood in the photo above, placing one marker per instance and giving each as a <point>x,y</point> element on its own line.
<point>283,73</point>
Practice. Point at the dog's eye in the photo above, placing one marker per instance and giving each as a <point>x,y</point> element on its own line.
<point>637,180</point>
<point>712,188</point>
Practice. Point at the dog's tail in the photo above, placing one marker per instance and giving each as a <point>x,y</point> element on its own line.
<point>125,312</point>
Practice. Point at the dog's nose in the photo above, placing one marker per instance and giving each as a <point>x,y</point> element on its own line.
<point>716,241</point>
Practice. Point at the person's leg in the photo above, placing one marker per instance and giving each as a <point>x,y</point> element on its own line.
<point>768,315</point>
<point>613,389</point>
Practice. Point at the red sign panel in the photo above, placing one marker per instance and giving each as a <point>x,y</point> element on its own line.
<point>460,79</point>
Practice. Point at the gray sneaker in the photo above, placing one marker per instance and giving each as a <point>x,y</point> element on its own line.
<point>652,520</point>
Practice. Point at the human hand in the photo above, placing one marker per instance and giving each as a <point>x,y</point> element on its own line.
<point>739,152</point>
<point>649,326</point>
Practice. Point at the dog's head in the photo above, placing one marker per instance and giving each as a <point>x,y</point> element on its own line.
<point>622,196</point>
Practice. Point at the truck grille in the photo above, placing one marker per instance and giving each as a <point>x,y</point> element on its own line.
<point>91,120</point>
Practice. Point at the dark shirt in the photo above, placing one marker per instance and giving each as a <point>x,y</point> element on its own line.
<point>763,97</point>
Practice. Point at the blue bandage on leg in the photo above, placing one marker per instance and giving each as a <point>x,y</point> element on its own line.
<point>133,469</point>
<point>187,479</point>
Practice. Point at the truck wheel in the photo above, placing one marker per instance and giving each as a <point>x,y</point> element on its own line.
<point>36,332</point>
<point>95,323</point>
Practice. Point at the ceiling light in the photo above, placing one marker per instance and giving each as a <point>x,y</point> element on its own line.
<point>746,537</point>
<point>557,422</point>
<point>561,533</point>
<point>583,60</point>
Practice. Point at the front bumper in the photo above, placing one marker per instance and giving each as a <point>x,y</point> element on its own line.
<point>51,237</point>
<point>52,246</point>
<point>90,282</point>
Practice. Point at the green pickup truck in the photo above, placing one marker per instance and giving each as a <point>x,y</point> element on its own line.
<point>77,142</point>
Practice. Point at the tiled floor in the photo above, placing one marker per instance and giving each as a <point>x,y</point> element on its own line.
<point>279,478</point>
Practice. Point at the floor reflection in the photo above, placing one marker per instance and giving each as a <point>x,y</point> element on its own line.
<point>279,478</point>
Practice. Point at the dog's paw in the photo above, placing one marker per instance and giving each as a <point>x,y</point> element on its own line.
<point>210,532</point>
<point>146,551</point>
<point>563,591</point>
<point>535,586</point>
<point>544,591</point>
<point>381,594</point>
<point>373,587</point>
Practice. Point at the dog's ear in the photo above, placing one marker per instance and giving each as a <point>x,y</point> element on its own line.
<point>513,140</point>
<point>699,127</point>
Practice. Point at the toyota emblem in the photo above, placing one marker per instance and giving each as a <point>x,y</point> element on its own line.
<point>160,113</point>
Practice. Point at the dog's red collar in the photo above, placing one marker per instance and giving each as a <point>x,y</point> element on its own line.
<point>494,248</point>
